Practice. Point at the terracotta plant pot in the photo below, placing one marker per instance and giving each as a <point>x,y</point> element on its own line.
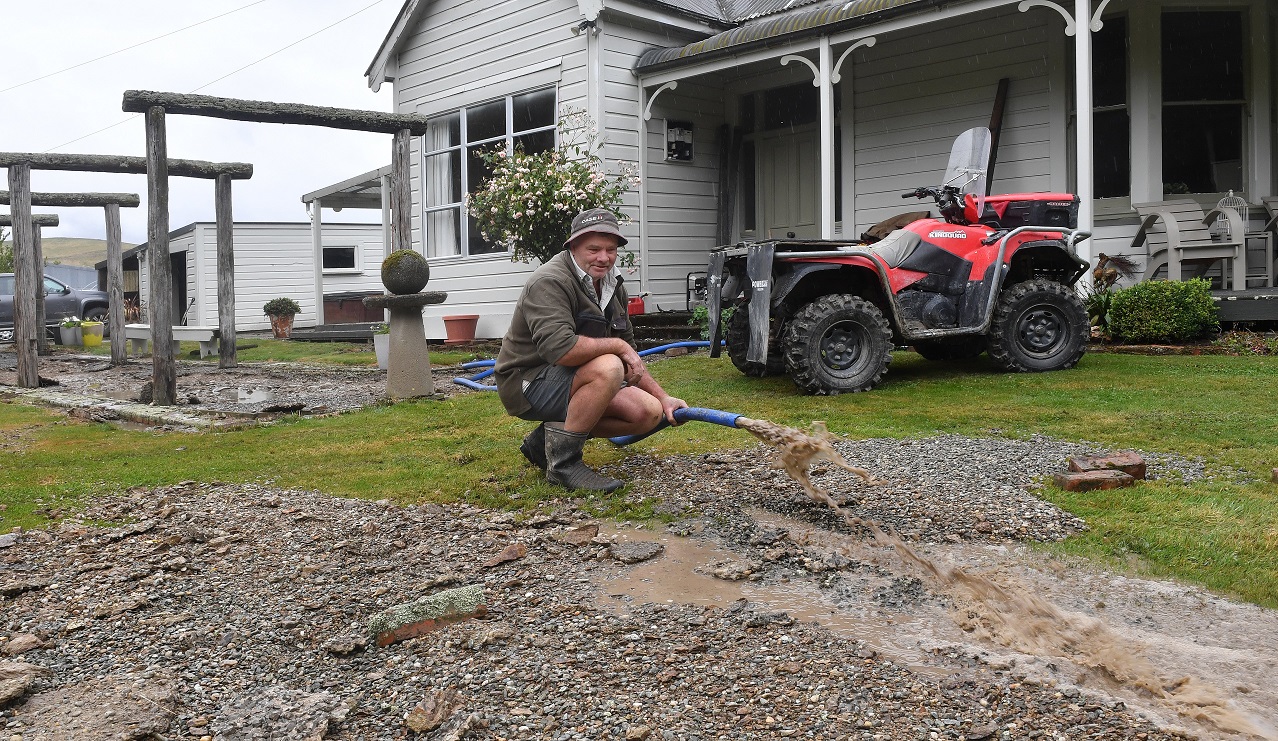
<point>282,326</point>
<point>460,328</point>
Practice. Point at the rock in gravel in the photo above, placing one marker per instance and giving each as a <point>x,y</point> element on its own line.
<point>456,727</point>
<point>512,552</point>
<point>432,711</point>
<point>412,619</point>
<point>22,643</point>
<point>634,552</point>
<point>578,535</point>
<point>16,677</point>
<point>346,645</point>
<point>638,733</point>
<point>128,604</point>
<point>8,540</point>
<point>15,587</point>
<point>1093,480</point>
<point>114,707</point>
<point>278,712</point>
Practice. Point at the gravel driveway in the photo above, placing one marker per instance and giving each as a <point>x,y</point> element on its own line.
<point>240,612</point>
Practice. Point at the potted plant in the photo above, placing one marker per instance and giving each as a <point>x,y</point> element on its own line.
<point>69,331</point>
<point>381,344</point>
<point>91,332</point>
<point>281,311</point>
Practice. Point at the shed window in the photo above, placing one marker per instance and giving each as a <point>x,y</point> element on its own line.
<point>1204,101</point>
<point>452,165</point>
<point>340,259</point>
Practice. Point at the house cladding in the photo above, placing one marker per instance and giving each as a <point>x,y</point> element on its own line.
<point>932,72</point>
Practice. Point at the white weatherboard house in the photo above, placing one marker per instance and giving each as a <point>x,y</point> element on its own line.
<point>757,118</point>
<point>271,259</point>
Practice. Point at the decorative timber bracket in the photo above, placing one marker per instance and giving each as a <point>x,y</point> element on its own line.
<point>1095,25</point>
<point>647,110</point>
<point>834,72</point>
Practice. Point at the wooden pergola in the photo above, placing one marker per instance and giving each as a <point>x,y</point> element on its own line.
<point>164,373</point>
<point>156,104</point>
<point>111,203</point>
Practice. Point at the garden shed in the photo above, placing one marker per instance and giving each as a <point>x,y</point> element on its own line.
<point>767,118</point>
<point>271,259</point>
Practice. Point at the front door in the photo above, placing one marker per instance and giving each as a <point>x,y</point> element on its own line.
<point>789,185</point>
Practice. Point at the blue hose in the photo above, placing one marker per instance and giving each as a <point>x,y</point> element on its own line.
<point>688,414</point>
<point>472,382</point>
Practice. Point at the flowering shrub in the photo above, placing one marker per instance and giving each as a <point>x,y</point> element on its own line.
<point>530,199</point>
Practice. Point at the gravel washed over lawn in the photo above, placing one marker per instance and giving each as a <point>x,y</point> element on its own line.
<point>241,612</point>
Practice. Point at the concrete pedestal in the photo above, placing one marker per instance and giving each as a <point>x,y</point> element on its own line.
<point>409,373</point>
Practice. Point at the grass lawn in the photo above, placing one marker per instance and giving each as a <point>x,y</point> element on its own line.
<point>1222,534</point>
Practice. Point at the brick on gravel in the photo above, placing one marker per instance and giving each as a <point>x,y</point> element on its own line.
<point>1127,461</point>
<point>1093,480</point>
<point>426,614</point>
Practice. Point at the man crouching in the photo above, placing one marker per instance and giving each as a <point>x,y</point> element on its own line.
<point>569,360</point>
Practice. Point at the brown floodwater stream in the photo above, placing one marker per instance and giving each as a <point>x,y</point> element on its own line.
<point>1179,654</point>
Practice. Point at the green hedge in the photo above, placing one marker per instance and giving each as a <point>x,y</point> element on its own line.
<point>1163,311</point>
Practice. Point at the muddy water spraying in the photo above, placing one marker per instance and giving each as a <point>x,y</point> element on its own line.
<point>1010,616</point>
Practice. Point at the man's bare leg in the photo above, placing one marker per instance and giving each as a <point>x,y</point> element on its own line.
<point>593,388</point>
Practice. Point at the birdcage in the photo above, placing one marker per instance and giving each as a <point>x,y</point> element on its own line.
<point>1220,229</point>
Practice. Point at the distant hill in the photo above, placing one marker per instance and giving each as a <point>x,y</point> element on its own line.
<point>75,251</point>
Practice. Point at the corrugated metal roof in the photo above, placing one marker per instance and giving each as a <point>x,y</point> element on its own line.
<point>792,17</point>
<point>732,11</point>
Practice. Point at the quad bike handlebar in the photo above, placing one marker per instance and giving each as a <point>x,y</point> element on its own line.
<point>949,200</point>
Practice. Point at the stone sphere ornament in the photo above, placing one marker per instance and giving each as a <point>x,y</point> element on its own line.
<point>404,272</point>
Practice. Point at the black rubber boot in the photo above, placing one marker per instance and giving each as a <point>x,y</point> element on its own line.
<point>564,464</point>
<point>534,447</point>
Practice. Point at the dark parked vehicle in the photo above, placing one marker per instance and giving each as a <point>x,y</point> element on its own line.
<point>60,301</point>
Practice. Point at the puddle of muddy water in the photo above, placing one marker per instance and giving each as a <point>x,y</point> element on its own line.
<point>681,575</point>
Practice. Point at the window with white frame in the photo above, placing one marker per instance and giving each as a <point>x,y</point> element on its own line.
<point>341,259</point>
<point>452,167</point>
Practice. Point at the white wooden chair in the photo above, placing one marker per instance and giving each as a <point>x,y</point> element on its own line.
<point>1175,233</point>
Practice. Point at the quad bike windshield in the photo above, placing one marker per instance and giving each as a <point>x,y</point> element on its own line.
<point>969,165</point>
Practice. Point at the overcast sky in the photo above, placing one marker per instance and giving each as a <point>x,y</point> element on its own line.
<point>328,69</point>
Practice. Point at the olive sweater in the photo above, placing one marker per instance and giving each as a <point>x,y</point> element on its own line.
<point>546,325</point>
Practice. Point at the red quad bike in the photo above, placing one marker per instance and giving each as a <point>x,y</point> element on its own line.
<point>994,274</point>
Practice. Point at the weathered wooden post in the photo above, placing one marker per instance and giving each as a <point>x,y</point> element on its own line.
<point>41,322</point>
<point>115,285</point>
<point>225,272</point>
<point>402,206</point>
<point>26,293</point>
<point>164,378</point>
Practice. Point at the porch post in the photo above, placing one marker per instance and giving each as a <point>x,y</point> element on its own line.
<point>827,141</point>
<point>1260,167</point>
<point>317,247</point>
<point>1083,106</point>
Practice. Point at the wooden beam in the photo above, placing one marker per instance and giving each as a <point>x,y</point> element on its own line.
<point>160,280</point>
<point>401,193</point>
<point>115,285</point>
<point>26,291</point>
<point>127,200</point>
<point>236,109</point>
<point>123,164</point>
<point>225,272</point>
<point>34,219</point>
